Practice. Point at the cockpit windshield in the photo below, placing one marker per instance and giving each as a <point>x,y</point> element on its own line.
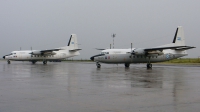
<point>12,54</point>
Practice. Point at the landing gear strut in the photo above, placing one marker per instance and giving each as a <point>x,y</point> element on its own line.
<point>44,62</point>
<point>8,61</point>
<point>149,65</point>
<point>126,65</point>
<point>98,65</point>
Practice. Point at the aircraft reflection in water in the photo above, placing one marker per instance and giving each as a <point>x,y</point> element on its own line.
<point>46,55</point>
<point>166,52</point>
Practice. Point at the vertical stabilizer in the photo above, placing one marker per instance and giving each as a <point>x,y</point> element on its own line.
<point>73,43</point>
<point>179,38</point>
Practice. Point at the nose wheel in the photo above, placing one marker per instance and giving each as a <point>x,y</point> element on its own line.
<point>8,61</point>
<point>98,65</point>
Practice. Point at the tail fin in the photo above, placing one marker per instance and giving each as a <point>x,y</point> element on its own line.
<point>179,38</point>
<point>73,43</point>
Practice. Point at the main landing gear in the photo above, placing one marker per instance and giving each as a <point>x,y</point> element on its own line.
<point>8,61</point>
<point>33,62</point>
<point>127,65</point>
<point>98,65</point>
<point>44,62</point>
<point>149,65</point>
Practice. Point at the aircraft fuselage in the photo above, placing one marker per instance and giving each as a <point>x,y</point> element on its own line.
<point>128,58</point>
<point>27,56</point>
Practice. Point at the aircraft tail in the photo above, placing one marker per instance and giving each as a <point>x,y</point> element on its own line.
<point>179,38</point>
<point>73,43</point>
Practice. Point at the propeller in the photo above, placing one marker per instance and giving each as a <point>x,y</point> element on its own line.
<point>31,52</point>
<point>132,52</point>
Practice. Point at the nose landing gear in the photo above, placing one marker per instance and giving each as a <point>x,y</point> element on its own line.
<point>98,65</point>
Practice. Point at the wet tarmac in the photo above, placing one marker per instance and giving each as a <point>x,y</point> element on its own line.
<point>81,87</point>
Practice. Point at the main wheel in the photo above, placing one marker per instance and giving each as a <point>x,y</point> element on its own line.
<point>33,62</point>
<point>127,65</point>
<point>44,62</point>
<point>149,65</point>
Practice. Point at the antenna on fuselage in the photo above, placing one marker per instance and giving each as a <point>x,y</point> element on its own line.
<point>113,35</point>
<point>110,46</point>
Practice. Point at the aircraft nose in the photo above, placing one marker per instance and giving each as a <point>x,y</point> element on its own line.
<point>92,58</point>
<point>4,57</point>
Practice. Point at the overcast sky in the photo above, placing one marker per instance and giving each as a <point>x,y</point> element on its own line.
<point>46,24</point>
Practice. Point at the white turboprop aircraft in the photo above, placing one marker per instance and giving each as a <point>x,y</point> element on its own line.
<point>166,52</point>
<point>46,55</point>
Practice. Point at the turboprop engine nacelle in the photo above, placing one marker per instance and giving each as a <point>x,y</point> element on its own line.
<point>41,53</point>
<point>156,52</point>
<point>49,53</point>
<point>139,52</point>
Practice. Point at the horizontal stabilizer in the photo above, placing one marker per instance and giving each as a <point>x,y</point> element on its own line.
<point>74,50</point>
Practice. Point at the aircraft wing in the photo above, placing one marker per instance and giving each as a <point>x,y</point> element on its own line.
<point>50,50</point>
<point>185,48</point>
<point>44,52</point>
<point>174,47</point>
<point>99,49</point>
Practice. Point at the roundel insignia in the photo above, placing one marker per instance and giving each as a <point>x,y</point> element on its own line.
<point>178,38</point>
<point>167,56</point>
